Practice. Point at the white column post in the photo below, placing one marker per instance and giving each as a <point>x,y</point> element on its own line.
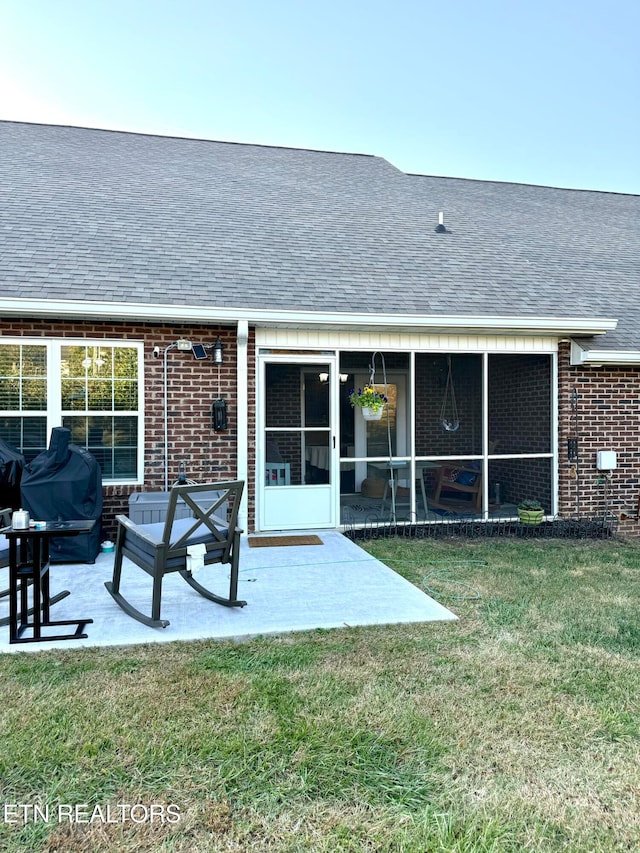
<point>242,408</point>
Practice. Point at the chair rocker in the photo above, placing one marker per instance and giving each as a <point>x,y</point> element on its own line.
<point>164,547</point>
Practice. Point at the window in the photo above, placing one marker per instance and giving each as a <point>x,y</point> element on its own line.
<point>94,389</point>
<point>23,390</point>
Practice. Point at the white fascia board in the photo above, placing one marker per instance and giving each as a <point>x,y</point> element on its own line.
<point>602,357</point>
<point>158,313</point>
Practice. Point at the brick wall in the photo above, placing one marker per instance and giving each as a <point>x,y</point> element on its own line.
<point>192,386</point>
<point>608,401</point>
<point>607,418</point>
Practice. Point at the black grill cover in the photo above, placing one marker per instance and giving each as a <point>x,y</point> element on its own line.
<point>61,484</point>
<point>11,466</point>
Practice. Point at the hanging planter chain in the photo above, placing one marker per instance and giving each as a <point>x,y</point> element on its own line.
<point>452,423</point>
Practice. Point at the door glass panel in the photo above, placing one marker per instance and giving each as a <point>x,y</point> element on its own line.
<point>282,396</point>
<point>317,457</point>
<point>283,458</point>
<point>297,435</point>
<point>316,397</point>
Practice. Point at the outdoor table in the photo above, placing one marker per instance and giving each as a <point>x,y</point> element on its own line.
<point>29,566</point>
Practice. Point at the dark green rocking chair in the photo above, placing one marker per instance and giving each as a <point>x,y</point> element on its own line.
<point>161,548</point>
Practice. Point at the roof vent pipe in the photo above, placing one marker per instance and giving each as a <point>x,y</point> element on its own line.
<point>440,229</point>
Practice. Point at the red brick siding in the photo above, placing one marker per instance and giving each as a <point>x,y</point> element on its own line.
<point>607,418</point>
<point>608,408</point>
<point>192,387</point>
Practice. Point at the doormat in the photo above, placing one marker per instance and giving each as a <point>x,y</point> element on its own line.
<point>279,541</point>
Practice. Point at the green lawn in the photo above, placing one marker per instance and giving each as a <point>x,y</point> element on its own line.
<point>516,728</point>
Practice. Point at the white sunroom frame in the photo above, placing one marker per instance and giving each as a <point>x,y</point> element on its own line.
<point>341,342</point>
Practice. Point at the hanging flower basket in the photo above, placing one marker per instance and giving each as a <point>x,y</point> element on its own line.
<point>371,402</point>
<point>370,414</point>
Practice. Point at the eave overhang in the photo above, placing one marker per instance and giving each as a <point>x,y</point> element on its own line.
<point>603,357</point>
<point>71,309</point>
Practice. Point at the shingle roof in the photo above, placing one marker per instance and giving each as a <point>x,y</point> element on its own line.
<point>103,215</point>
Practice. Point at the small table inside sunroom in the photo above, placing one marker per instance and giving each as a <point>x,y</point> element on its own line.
<point>29,569</point>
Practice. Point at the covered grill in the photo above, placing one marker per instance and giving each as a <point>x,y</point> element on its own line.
<point>61,484</point>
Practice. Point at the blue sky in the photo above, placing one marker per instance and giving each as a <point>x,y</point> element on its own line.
<point>531,91</point>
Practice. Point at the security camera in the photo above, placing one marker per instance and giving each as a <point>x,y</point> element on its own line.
<point>156,352</point>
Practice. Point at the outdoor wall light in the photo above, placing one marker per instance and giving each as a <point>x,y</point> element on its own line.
<point>218,352</point>
<point>324,377</point>
<point>184,345</point>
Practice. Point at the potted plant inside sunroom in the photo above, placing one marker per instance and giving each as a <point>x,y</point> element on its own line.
<point>369,401</point>
<point>530,511</point>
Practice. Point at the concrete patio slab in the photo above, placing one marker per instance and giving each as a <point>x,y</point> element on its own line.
<point>294,588</point>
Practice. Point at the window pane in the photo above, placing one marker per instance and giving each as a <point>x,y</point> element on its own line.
<point>99,395</point>
<point>71,361</point>
<point>9,394</point>
<point>9,360</point>
<point>22,377</point>
<point>34,361</point>
<point>28,435</point>
<point>125,363</point>
<point>74,394</point>
<point>125,461</point>
<point>34,394</point>
<point>113,441</point>
<point>125,395</point>
<point>34,437</point>
<point>103,379</point>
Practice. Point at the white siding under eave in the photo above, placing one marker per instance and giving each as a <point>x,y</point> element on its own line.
<point>392,341</point>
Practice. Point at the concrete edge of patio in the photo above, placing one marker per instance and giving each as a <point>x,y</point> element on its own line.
<point>287,589</point>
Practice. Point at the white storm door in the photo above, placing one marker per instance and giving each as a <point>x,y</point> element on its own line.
<point>296,451</point>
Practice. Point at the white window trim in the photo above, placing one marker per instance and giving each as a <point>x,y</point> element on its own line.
<point>54,386</point>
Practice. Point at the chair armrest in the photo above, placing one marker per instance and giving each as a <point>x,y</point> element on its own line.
<point>138,530</point>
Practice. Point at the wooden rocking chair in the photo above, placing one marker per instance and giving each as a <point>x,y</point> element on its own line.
<point>164,547</point>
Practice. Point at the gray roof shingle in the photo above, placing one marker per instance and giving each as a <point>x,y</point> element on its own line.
<point>104,215</point>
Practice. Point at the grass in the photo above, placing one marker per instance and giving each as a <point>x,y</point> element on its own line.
<point>516,728</point>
